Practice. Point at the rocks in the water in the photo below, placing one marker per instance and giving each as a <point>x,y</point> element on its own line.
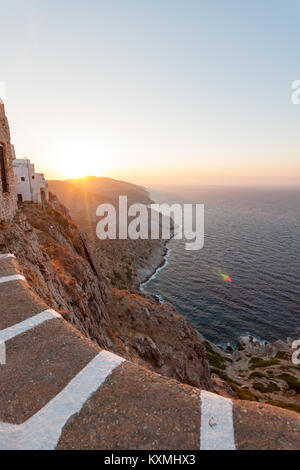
<point>253,346</point>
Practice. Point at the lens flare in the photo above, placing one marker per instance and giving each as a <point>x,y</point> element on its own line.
<point>225,277</point>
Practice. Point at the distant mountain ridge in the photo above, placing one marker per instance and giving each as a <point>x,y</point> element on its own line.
<point>126,262</point>
<point>98,189</point>
<point>94,191</point>
<point>111,188</point>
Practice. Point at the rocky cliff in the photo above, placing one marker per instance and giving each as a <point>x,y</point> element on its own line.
<point>125,262</point>
<point>57,261</point>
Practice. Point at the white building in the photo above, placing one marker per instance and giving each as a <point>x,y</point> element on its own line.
<point>31,186</point>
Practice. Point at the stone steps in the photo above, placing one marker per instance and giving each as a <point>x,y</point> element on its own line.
<point>59,390</point>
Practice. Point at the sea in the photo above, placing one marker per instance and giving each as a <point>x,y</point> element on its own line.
<point>253,236</point>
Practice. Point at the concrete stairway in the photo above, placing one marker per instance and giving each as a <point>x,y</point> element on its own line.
<point>58,390</point>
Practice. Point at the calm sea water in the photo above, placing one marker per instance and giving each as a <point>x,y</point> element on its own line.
<point>254,236</point>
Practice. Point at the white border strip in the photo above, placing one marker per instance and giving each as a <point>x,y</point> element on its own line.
<point>14,277</point>
<point>43,430</point>
<point>217,428</point>
<point>28,324</point>
<point>2,353</point>
<point>7,255</point>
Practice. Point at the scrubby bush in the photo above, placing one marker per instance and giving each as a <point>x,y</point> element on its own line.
<point>256,362</point>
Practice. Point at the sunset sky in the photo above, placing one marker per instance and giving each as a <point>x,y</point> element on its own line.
<point>154,91</point>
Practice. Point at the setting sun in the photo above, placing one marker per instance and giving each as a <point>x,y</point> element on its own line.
<point>79,158</point>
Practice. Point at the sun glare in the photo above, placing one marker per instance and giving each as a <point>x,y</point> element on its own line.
<point>81,159</point>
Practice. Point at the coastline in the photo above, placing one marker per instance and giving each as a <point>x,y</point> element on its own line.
<point>159,254</point>
<point>154,269</point>
<point>252,369</point>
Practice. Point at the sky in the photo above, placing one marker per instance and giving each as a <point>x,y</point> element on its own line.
<point>154,91</point>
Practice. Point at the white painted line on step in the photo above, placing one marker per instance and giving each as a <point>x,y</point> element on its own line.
<point>14,277</point>
<point>2,353</point>
<point>43,430</point>
<point>27,324</point>
<point>7,255</point>
<point>217,429</point>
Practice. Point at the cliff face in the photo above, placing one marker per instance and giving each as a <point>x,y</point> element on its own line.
<point>8,199</point>
<point>125,262</point>
<point>58,264</point>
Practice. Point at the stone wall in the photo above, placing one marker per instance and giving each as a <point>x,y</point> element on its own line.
<point>8,203</point>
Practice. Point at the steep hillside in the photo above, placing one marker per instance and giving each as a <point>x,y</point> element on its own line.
<point>125,262</point>
<point>57,262</point>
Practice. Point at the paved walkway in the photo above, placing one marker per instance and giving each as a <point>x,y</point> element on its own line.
<point>59,390</point>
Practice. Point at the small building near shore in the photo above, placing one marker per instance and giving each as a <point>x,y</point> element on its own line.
<point>32,186</point>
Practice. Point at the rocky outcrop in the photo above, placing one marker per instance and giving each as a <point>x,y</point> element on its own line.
<point>147,349</point>
<point>255,347</point>
<point>8,197</point>
<point>257,371</point>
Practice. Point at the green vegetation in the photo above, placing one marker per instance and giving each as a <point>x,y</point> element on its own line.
<point>117,280</point>
<point>257,375</point>
<point>129,272</point>
<point>270,388</point>
<point>287,406</point>
<point>292,381</point>
<point>208,347</point>
<point>256,362</point>
<point>225,377</point>
<point>117,275</point>
<point>242,393</point>
<point>283,355</point>
<point>214,359</point>
<point>60,218</point>
<point>245,394</point>
<point>292,368</point>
